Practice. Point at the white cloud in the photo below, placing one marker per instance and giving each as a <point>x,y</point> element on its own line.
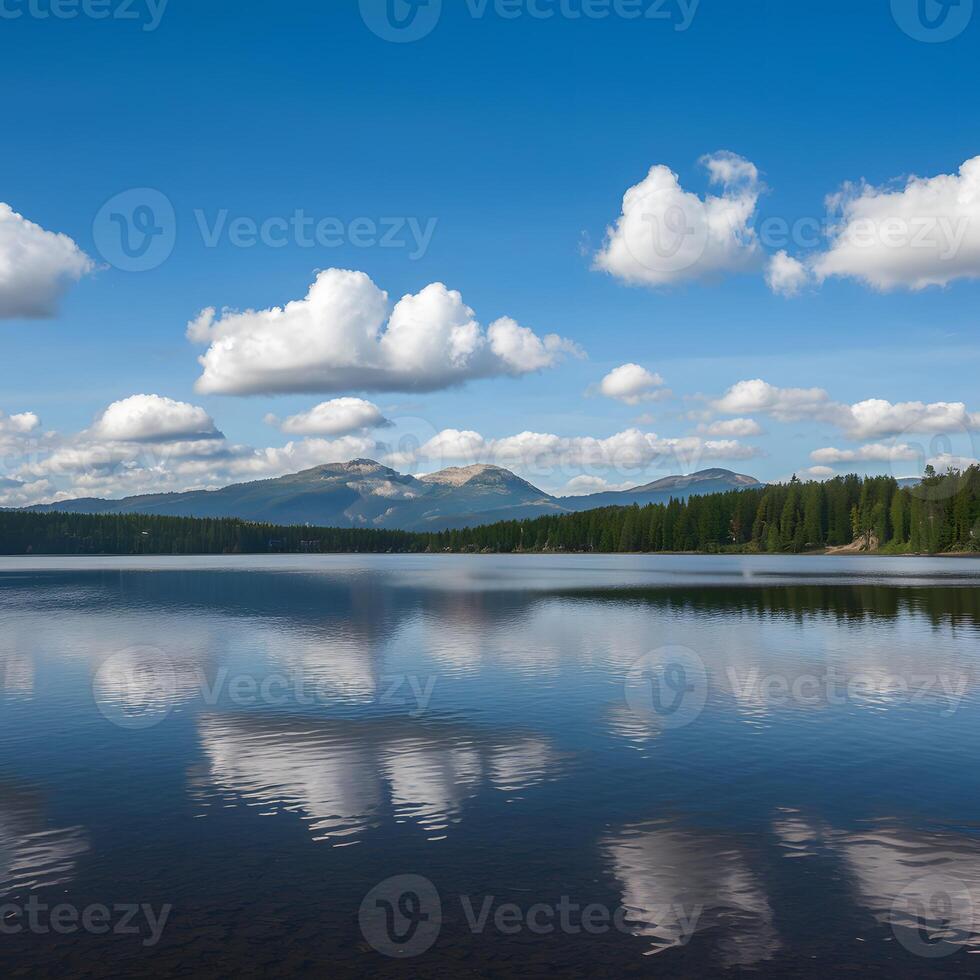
<point>877,417</point>
<point>820,473</point>
<point>146,444</point>
<point>153,418</point>
<point>949,461</point>
<point>523,351</point>
<point>633,384</point>
<point>336,339</point>
<point>925,234</point>
<point>785,275</point>
<point>783,404</point>
<point>877,452</point>
<point>15,493</point>
<point>338,417</point>
<point>37,267</point>
<point>20,435</point>
<point>666,235</point>
<point>540,453</point>
<point>869,419</point>
<point>582,485</point>
<point>121,469</point>
<point>291,458</point>
<point>738,428</point>
<point>18,425</point>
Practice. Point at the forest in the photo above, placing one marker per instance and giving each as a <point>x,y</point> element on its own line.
<point>940,514</point>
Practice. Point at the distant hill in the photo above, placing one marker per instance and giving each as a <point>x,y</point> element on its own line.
<point>364,493</point>
<point>679,487</point>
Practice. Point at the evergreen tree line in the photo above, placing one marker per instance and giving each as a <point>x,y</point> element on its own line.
<point>941,514</point>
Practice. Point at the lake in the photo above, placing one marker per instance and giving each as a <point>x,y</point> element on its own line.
<point>487,766</point>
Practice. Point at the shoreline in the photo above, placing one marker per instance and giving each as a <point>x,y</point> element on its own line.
<point>826,553</point>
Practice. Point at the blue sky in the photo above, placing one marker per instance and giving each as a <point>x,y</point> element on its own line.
<point>514,140</point>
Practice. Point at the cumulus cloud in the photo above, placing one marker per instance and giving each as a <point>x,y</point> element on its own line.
<point>15,493</point>
<point>122,469</point>
<point>540,452</point>
<point>20,434</point>
<point>633,384</point>
<point>819,473</point>
<point>876,452</point>
<point>18,425</point>
<point>342,336</point>
<point>667,235</point>
<point>738,428</point>
<point>785,275</point>
<point>869,419</point>
<point>151,444</point>
<point>338,417</point>
<point>153,418</point>
<point>782,404</point>
<point>37,267</point>
<point>877,417</point>
<point>583,485</point>
<point>949,461</point>
<point>926,233</point>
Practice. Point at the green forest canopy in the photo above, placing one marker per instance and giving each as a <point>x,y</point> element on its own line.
<point>941,514</point>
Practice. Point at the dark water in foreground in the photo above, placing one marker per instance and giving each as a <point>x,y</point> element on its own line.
<point>483,766</point>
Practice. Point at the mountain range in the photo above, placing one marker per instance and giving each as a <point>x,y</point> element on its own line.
<point>364,493</point>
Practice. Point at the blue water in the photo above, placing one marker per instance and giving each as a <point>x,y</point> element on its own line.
<point>333,764</point>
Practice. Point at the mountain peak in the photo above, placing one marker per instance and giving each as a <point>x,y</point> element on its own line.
<point>716,474</point>
<point>359,467</point>
<point>457,476</point>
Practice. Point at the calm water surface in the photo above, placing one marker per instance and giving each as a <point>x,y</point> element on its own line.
<point>643,766</point>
